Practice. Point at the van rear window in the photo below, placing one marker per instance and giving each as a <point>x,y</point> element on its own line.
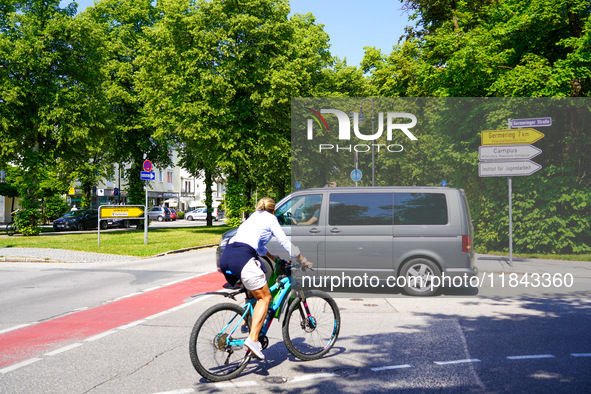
<point>359,209</point>
<point>420,208</point>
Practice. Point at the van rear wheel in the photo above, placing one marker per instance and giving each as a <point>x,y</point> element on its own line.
<point>420,274</point>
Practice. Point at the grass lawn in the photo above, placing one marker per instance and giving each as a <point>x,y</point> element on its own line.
<point>123,242</point>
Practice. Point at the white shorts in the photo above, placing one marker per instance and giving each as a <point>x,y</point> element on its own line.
<point>252,276</point>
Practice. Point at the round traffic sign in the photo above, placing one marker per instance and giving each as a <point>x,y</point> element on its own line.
<point>147,165</point>
<point>356,175</point>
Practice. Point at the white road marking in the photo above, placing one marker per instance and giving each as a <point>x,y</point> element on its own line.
<point>15,328</point>
<point>99,336</point>
<point>63,349</point>
<point>132,324</point>
<point>126,296</point>
<point>224,385</point>
<point>466,361</point>
<point>389,367</point>
<point>151,288</point>
<point>158,315</point>
<point>314,376</point>
<point>532,356</point>
<point>19,365</point>
<point>176,308</point>
<point>581,354</point>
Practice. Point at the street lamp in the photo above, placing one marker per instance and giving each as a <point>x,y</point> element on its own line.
<point>361,119</point>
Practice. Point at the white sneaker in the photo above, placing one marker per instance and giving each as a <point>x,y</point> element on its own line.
<point>255,348</point>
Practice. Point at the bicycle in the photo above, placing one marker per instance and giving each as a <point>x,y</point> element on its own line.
<point>311,324</point>
<point>11,228</point>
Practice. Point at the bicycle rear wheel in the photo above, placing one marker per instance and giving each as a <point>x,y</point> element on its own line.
<point>211,354</point>
<point>311,336</point>
<point>10,229</point>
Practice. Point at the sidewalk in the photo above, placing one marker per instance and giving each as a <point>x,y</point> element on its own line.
<point>500,264</point>
<point>39,255</point>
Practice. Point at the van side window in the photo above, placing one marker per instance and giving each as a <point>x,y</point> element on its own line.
<point>360,209</point>
<point>420,208</point>
<point>300,211</point>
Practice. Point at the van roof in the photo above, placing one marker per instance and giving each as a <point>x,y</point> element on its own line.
<point>377,188</point>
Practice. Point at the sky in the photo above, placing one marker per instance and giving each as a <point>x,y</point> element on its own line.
<point>350,24</point>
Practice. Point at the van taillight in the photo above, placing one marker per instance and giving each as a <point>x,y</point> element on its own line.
<point>466,243</point>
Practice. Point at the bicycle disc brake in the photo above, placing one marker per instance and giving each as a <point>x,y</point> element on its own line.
<point>308,324</point>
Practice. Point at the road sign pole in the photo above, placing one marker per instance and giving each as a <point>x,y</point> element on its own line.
<point>146,217</point>
<point>510,188</point>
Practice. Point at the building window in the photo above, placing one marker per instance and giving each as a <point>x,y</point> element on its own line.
<point>169,177</point>
<point>160,176</point>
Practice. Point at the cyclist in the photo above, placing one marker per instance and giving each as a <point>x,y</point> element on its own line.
<point>240,261</point>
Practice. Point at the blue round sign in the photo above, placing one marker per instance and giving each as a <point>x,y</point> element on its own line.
<point>356,175</point>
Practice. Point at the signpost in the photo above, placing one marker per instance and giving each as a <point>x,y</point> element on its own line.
<point>507,168</point>
<point>507,153</point>
<point>147,176</point>
<point>147,165</point>
<point>531,122</point>
<point>107,212</point>
<point>356,175</point>
<point>510,137</point>
<point>117,211</point>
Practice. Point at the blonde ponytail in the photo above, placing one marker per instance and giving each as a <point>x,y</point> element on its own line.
<point>266,204</point>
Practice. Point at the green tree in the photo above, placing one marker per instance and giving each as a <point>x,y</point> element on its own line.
<point>219,75</point>
<point>50,92</point>
<point>124,24</point>
<point>506,48</point>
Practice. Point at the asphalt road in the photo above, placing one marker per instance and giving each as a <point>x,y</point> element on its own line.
<point>521,339</point>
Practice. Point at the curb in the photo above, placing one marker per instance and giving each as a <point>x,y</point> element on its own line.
<point>25,259</point>
<point>185,250</point>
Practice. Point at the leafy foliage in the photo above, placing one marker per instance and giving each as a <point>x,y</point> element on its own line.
<point>506,48</point>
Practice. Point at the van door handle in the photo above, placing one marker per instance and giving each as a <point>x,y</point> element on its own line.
<point>314,231</point>
<point>335,230</point>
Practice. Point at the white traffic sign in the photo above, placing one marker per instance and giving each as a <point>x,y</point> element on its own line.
<point>507,168</point>
<point>507,152</point>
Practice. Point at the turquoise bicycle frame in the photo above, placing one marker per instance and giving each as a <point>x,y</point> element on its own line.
<point>284,287</point>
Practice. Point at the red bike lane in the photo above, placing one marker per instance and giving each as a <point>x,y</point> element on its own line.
<point>21,344</point>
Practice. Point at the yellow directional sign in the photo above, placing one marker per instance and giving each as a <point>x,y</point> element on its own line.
<point>118,212</point>
<point>510,137</point>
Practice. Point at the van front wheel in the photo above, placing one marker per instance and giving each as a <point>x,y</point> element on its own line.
<point>420,274</point>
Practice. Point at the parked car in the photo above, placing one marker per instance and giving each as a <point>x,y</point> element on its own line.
<point>418,233</point>
<point>173,214</point>
<point>201,214</point>
<point>159,213</point>
<point>115,223</point>
<point>77,220</point>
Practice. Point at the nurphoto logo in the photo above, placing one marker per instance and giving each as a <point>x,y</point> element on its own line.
<point>344,129</point>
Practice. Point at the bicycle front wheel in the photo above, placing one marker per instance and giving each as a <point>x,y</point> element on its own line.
<point>216,345</point>
<point>10,229</point>
<point>312,325</point>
